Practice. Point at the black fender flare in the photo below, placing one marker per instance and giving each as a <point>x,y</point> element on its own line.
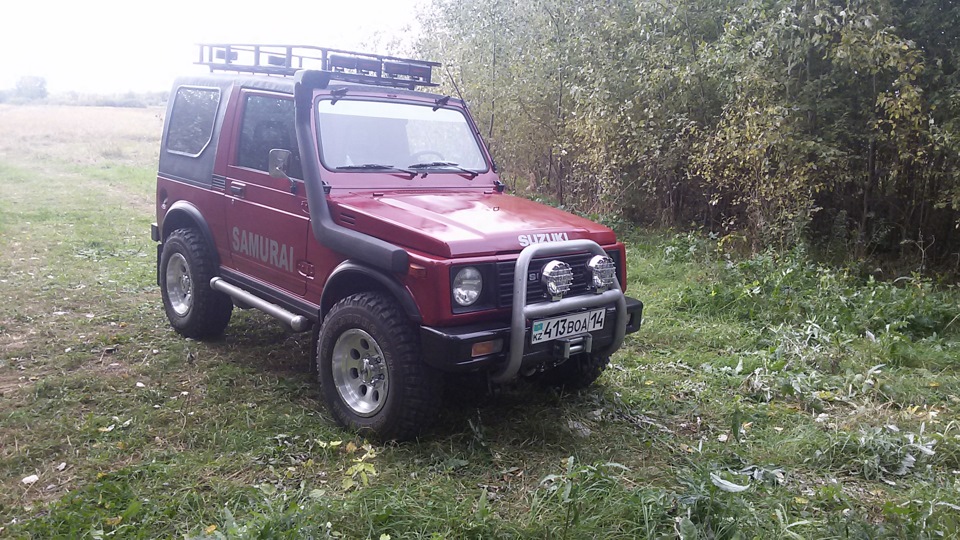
<point>182,212</point>
<point>344,277</point>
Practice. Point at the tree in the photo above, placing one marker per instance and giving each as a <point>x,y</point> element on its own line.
<point>31,88</point>
<point>832,121</point>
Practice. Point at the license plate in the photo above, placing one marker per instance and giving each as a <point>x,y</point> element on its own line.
<point>567,325</point>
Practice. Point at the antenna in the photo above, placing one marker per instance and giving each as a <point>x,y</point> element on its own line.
<point>500,185</point>
<point>455,87</point>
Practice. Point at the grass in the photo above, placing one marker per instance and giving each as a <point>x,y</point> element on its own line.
<point>750,404</point>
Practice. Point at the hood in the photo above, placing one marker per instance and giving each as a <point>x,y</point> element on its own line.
<point>463,224</point>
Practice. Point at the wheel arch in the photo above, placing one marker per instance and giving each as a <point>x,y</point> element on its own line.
<point>194,309</point>
<point>185,215</point>
<point>352,277</point>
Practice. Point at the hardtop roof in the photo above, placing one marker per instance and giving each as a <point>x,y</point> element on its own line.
<point>285,85</point>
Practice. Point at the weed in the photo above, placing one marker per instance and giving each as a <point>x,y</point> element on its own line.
<point>575,486</point>
<point>770,288</point>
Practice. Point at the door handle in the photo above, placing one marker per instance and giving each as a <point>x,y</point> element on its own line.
<point>236,188</point>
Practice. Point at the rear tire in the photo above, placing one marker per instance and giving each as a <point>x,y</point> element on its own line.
<point>186,266</point>
<point>370,370</point>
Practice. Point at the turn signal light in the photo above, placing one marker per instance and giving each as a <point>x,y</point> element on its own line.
<point>484,348</point>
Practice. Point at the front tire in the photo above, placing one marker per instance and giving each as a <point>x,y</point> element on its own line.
<point>371,375</point>
<point>186,266</point>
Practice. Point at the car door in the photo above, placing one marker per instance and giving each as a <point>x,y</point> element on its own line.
<point>267,218</point>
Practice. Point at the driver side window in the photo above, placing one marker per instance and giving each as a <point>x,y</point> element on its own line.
<point>268,123</point>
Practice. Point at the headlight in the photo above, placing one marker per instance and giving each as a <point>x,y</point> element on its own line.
<point>467,286</point>
<point>604,272</point>
<point>557,277</point>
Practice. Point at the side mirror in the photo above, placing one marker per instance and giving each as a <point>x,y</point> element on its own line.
<point>279,157</point>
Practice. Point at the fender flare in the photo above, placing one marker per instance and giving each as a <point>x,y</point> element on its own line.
<point>183,211</point>
<point>350,270</point>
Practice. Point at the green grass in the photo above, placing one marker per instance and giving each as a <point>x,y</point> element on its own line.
<point>755,372</point>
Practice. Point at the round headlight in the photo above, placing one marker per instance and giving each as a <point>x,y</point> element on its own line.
<point>467,286</point>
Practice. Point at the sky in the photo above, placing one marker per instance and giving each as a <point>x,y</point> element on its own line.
<point>112,46</point>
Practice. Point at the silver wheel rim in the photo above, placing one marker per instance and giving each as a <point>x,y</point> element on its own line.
<point>179,284</point>
<point>360,372</point>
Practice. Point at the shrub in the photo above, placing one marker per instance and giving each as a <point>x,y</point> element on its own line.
<point>771,289</point>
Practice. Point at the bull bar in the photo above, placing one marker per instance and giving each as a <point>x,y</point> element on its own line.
<point>521,311</point>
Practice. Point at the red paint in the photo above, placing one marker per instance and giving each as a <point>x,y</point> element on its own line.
<point>441,219</point>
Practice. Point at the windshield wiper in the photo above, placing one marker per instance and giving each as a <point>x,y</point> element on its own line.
<point>443,164</point>
<point>376,167</point>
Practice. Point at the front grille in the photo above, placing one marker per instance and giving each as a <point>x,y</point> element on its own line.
<point>535,289</point>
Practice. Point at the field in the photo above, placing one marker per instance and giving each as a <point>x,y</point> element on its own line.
<point>766,396</point>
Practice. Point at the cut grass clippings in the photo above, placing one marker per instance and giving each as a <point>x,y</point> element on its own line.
<point>766,397</point>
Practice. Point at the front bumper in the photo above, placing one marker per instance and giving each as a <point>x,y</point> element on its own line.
<point>450,349</point>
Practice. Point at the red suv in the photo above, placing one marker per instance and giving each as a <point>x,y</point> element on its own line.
<point>321,187</point>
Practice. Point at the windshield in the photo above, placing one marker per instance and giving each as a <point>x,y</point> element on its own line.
<point>368,135</point>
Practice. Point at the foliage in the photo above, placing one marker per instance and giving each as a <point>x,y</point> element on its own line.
<point>31,88</point>
<point>771,289</point>
<point>785,120</point>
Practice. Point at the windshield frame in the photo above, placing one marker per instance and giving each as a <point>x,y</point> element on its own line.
<point>425,173</point>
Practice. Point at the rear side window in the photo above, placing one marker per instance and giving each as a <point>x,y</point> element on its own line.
<point>268,123</point>
<point>191,122</point>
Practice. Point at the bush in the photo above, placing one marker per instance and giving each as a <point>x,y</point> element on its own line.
<point>773,289</point>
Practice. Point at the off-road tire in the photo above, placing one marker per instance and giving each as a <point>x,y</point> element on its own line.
<point>193,308</point>
<point>412,390</point>
<point>576,373</point>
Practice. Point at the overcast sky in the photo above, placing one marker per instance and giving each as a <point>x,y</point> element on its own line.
<point>117,46</point>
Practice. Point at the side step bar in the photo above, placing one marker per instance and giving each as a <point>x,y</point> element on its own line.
<point>297,323</point>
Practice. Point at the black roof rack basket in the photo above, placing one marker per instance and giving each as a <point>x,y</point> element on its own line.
<point>285,60</point>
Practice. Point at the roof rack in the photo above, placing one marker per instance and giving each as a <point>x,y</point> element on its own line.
<point>285,60</point>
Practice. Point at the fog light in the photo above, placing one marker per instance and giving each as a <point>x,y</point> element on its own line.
<point>604,272</point>
<point>484,348</point>
<point>557,277</point>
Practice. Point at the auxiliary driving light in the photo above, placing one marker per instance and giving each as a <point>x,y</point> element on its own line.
<point>557,276</point>
<point>604,272</point>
